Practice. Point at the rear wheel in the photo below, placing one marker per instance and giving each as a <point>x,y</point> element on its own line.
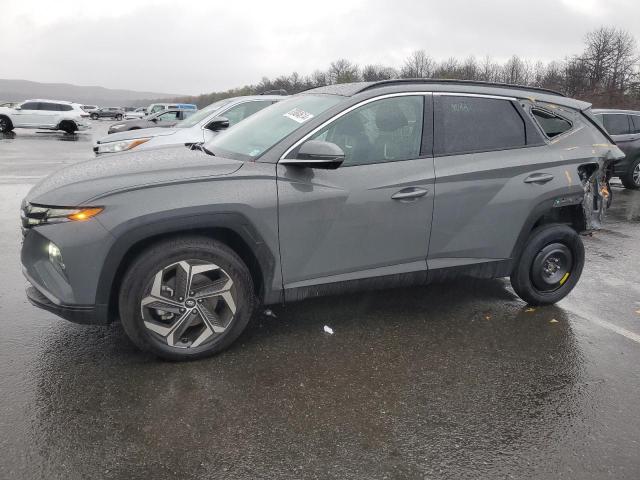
<point>631,179</point>
<point>550,265</point>
<point>186,298</point>
<point>68,127</point>
<point>94,116</point>
<point>118,117</point>
<point>5,124</point>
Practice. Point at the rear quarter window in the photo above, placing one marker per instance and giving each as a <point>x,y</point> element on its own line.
<point>476,124</point>
<point>551,124</point>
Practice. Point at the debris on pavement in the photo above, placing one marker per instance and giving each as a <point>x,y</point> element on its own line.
<point>530,309</point>
<point>328,330</point>
<point>269,313</point>
<point>553,320</point>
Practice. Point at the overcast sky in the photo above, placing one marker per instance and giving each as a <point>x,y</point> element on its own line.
<point>192,47</point>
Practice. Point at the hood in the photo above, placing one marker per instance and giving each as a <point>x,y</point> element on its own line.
<point>89,181</point>
<point>141,133</point>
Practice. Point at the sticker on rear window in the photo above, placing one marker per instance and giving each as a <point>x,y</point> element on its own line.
<point>298,115</point>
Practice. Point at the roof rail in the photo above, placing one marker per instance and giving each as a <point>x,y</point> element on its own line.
<point>280,91</point>
<point>400,81</point>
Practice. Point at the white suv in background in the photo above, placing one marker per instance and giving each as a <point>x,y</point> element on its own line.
<point>44,114</point>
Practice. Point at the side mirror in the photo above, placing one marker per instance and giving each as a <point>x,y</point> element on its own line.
<point>317,154</point>
<point>217,123</point>
<point>154,120</point>
<point>17,108</point>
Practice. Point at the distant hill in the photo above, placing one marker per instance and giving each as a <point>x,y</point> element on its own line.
<point>18,90</point>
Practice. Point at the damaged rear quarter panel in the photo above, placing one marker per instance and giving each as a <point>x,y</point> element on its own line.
<point>592,153</point>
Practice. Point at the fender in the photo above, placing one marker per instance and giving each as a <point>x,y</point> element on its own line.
<point>544,207</point>
<point>196,220</point>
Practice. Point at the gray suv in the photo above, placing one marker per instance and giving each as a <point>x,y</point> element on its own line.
<point>624,128</point>
<point>346,187</point>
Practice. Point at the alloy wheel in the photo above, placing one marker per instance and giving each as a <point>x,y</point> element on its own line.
<point>188,304</point>
<point>635,175</point>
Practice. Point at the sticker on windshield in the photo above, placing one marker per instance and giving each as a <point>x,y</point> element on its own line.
<point>298,115</point>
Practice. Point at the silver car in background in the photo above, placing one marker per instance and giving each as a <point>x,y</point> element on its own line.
<point>200,127</point>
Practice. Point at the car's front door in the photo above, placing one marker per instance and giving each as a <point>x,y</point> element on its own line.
<point>27,115</point>
<point>370,217</point>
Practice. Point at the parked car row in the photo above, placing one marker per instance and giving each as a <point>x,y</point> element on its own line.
<point>174,127</point>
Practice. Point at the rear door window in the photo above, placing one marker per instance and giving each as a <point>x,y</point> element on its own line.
<point>552,125</point>
<point>635,123</point>
<point>616,124</point>
<point>476,124</point>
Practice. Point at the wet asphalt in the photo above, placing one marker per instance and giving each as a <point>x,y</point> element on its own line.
<point>455,380</point>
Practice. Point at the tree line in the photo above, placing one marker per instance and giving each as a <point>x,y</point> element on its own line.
<point>606,73</point>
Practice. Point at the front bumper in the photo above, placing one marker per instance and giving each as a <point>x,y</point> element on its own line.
<point>74,313</point>
<point>69,292</point>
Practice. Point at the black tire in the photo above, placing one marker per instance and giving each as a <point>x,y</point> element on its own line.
<point>68,127</point>
<point>94,116</point>
<point>628,178</point>
<point>135,287</point>
<point>5,124</point>
<point>532,282</point>
<point>119,117</point>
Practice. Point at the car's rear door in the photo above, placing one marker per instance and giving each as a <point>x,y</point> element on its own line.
<point>370,217</point>
<point>49,114</point>
<point>492,167</point>
<point>619,126</point>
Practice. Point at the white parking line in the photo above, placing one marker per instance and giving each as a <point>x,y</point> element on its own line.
<point>608,325</point>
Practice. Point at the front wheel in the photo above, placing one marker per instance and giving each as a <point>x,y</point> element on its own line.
<point>94,116</point>
<point>118,117</point>
<point>5,124</point>
<point>186,298</point>
<point>550,265</point>
<point>631,179</point>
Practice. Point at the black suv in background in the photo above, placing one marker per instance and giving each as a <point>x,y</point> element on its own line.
<point>108,112</point>
<point>624,128</point>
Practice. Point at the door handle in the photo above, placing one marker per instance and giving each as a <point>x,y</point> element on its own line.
<point>409,193</point>
<point>538,178</point>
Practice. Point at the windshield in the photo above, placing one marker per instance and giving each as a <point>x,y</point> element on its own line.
<point>202,114</point>
<point>261,131</point>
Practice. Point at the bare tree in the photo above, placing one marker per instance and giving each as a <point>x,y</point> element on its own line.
<point>343,71</point>
<point>418,65</point>
<point>516,71</point>
<point>373,73</point>
<point>624,60</point>
<point>598,56</point>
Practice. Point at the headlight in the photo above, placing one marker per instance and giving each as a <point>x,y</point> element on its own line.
<point>122,146</point>
<point>34,215</point>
